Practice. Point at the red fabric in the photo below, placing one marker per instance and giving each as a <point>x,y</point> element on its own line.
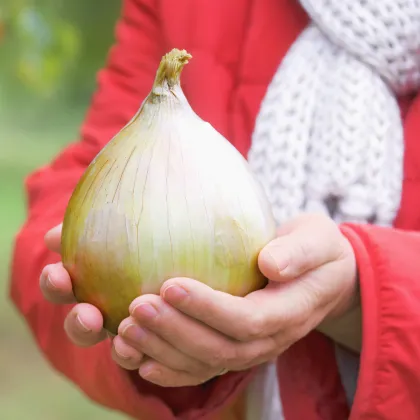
<point>236,47</point>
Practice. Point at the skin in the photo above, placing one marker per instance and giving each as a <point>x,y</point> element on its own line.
<point>191,333</point>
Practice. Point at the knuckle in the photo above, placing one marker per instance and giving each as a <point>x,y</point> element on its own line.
<point>301,255</point>
<point>263,351</point>
<point>287,338</point>
<point>216,359</point>
<point>223,357</point>
<point>254,328</point>
<point>253,357</point>
<point>157,352</point>
<point>200,369</point>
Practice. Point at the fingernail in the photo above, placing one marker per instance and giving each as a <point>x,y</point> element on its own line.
<point>273,260</point>
<point>122,356</point>
<point>281,266</point>
<point>174,292</point>
<point>133,332</point>
<point>50,283</point>
<point>83,326</point>
<point>145,309</point>
<point>145,370</point>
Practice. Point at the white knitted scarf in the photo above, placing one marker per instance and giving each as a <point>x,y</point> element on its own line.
<point>329,135</point>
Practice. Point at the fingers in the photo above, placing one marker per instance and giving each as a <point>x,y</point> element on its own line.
<point>126,355</point>
<point>193,338</point>
<point>228,314</point>
<point>56,285</point>
<point>305,243</point>
<point>84,325</point>
<point>53,238</point>
<point>260,315</point>
<point>233,316</point>
<point>147,342</point>
<point>189,336</point>
<point>162,375</point>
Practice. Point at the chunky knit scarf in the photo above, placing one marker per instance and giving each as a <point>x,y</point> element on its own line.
<point>329,134</point>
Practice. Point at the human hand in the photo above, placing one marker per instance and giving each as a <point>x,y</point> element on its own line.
<point>84,323</point>
<point>191,332</point>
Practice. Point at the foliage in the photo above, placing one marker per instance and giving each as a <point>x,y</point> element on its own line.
<point>49,48</point>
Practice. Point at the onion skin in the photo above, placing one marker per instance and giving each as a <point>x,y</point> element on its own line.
<point>167,197</point>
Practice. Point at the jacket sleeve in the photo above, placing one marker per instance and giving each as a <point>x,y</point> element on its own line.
<point>389,269</point>
<point>123,84</point>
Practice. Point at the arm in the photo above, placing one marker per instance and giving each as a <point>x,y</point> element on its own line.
<point>346,330</point>
<point>385,325</point>
<point>123,84</point>
<point>389,269</point>
<point>388,327</point>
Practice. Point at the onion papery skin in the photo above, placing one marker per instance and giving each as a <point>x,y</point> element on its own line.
<point>167,197</point>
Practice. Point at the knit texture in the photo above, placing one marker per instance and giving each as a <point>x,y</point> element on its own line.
<point>329,137</point>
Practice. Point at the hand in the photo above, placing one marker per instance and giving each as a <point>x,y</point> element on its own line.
<point>84,323</point>
<point>192,332</point>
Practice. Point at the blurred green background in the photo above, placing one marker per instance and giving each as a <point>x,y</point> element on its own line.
<point>50,51</point>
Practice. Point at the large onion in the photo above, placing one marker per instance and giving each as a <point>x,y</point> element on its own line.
<point>168,196</point>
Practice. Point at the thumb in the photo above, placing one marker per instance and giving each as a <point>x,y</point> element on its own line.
<point>53,238</point>
<point>309,242</point>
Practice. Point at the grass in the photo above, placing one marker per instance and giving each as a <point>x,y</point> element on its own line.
<point>29,388</point>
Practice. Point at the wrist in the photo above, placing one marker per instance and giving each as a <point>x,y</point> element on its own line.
<point>345,330</point>
<point>345,326</point>
<point>349,298</point>
<point>344,323</point>
<point>353,301</point>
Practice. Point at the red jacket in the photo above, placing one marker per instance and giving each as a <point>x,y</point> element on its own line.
<point>236,47</point>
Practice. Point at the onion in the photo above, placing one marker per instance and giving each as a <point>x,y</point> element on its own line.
<point>167,197</point>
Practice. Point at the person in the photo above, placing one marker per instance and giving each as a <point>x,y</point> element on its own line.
<point>321,97</point>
